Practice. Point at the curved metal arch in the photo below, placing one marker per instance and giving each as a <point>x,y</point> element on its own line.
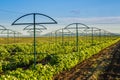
<point>34,25</point>
<point>26,28</point>
<point>12,32</point>
<point>92,29</point>
<point>2,27</point>
<point>63,30</point>
<point>14,23</point>
<point>79,31</point>
<point>76,24</point>
<point>33,31</point>
<point>4,30</point>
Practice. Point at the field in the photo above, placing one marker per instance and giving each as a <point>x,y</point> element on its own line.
<point>59,40</point>
<point>102,66</point>
<point>53,56</point>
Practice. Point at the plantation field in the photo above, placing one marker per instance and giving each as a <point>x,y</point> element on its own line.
<point>10,40</point>
<point>53,55</point>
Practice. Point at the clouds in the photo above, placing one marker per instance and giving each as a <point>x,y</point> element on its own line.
<point>108,23</point>
<point>111,24</point>
<point>94,20</point>
<point>75,12</point>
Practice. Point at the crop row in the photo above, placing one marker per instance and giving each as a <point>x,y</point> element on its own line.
<point>60,58</point>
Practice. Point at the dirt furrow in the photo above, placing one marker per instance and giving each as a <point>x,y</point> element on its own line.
<point>90,68</point>
<point>113,70</point>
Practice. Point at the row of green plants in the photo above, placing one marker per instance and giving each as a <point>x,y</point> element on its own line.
<point>20,55</point>
<point>63,58</point>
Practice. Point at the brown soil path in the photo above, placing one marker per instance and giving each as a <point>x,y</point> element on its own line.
<point>113,70</point>
<point>91,68</point>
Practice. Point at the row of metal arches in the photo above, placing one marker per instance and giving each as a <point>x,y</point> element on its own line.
<point>73,30</point>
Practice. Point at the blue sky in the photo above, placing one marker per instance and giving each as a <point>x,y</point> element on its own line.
<point>64,8</point>
<point>65,11</point>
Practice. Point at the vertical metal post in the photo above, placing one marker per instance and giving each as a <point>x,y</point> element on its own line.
<point>51,36</point>
<point>105,35</point>
<point>14,36</point>
<point>100,35</point>
<point>56,37</point>
<point>34,41</point>
<point>92,35</point>
<point>55,40</point>
<point>49,39</point>
<point>34,24</point>
<point>70,36</point>
<point>109,35</point>
<point>86,37</point>
<point>8,36</point>
<point>76,37</point>
<point>18,37</point>
<point>62,37</point>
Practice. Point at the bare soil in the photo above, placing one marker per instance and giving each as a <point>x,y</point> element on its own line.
<point>103,66</point>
